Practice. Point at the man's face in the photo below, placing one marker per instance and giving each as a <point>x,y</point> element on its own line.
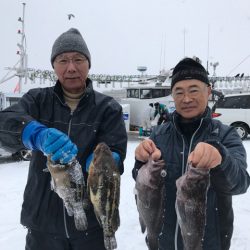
<point>190,97</point>
<point>72,69</point>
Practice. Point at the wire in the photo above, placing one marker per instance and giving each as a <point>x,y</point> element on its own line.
<point>238,65</point>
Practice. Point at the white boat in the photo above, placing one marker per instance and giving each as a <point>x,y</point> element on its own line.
<point>140,96</point>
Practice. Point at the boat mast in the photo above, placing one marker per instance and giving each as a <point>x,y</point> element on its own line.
<point>21,70</point>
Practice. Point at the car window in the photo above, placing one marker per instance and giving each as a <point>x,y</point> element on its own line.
<point>234,102</point>
<point>247,101</point>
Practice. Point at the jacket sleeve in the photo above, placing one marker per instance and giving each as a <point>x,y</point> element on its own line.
<point>113,131</point>
<point>12,121</point>
<point>231,177</point>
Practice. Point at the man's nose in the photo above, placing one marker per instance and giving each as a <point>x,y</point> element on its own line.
<point>71,66</point>
<point>187,98</point>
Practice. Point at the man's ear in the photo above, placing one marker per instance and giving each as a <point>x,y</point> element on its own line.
<point>209,89</point>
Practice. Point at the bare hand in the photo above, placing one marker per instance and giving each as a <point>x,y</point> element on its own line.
<point>145,149</point>
<point>205,156</point>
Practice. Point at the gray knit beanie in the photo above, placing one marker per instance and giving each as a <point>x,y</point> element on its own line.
<point>70,41</point>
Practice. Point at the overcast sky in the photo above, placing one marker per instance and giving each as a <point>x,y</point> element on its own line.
<point>124,34</point>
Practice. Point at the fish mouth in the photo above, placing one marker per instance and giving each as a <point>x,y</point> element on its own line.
<point>101,147</point>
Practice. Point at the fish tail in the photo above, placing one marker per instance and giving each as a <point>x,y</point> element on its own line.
<point>152,242</point>
<point>110,242</point>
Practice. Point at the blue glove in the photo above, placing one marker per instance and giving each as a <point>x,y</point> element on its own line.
<point>115,155</point>
<point>50,141</point>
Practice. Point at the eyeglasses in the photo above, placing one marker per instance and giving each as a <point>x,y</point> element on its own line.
<point>193,92</point>
<point>76,60</point>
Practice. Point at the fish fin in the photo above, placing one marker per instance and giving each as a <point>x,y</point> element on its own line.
<point>143,226</point>
<point>115,219</point>
<point>80,218</point>
<point>86,203</point>
<point>69,207</point>
<point>98,218</point>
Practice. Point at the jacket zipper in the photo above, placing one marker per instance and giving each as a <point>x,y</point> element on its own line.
<point>64,210</point>
<point>183,170</point>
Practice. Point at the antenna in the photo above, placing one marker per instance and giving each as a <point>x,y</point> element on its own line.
<point>184,42</point>
<point>214,67</point>
<point>163,52</point>
<point>208,33</point>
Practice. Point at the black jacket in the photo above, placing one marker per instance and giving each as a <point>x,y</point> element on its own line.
<point>98,118</point>
<point>230,178</point>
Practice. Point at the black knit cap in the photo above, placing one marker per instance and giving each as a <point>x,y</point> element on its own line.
<point>187,69</point>
<point>70,41</point>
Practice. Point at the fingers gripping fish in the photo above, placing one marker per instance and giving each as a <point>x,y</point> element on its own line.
<point>68,182</point>
<point>191,204</point>
<point>150,196</point>
<point>104,192</point>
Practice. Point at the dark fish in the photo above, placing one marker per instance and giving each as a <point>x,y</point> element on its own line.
<point>191,204</point>
<point>68,182</point>
<point>149,193</point>
<point>104,192</point>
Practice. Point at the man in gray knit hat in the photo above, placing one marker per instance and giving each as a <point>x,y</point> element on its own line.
<point>70,41</point>
<point>66,122</point>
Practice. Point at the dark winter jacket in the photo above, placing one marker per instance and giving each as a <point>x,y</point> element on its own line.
<point>98,118</point>
<point>229,178</point>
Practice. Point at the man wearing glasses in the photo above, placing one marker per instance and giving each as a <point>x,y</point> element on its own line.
<point>192,136</point>
<point>66,121</point>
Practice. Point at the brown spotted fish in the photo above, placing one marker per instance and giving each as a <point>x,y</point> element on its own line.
<point>104,192</point>
<point>191,204</point>
<point>149,193</point>
<point>68,182</point>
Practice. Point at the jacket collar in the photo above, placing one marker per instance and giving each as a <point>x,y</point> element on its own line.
<point>205,117</point>
<point>88,91</point>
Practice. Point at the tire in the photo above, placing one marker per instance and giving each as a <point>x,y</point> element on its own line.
<point>242,130</point>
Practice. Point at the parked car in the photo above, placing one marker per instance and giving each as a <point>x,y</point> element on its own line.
<point>234,110</point>
<point>22,155</point>
<point>6,100</point>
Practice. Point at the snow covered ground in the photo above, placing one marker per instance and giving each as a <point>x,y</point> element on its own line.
<point>13,179</point>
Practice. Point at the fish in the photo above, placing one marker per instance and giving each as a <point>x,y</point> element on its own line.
<point>103,185</point>
<point>150,197</point>
<point>191,203</point>
<point>68,182</point>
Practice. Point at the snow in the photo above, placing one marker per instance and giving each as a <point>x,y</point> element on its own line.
<point>129,237</point>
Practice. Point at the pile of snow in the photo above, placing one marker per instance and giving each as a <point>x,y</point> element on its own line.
<point>129,237</point>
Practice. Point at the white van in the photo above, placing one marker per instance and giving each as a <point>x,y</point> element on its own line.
<point>234,110</point>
